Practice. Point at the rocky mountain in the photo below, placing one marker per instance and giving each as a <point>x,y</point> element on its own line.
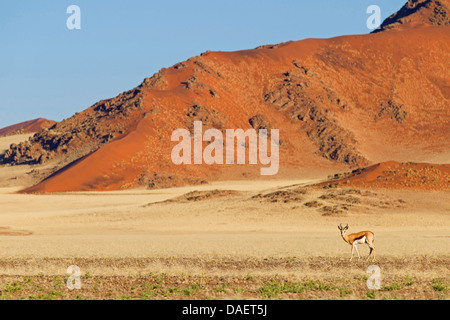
<point>340,103</point>
<point>421,13</point>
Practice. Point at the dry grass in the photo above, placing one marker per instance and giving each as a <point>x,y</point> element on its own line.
<point>269,278</point>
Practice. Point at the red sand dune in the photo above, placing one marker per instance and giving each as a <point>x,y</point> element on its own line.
<point>340,103</point>
<point>396,175</point>
<point>30,126</point>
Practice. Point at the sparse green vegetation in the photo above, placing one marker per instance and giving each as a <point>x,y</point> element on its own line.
<point>51,295</point>
<point>372,294</point>
<point>14,287</point>
<point>439,285</point>
<point>393,286</point>
<point>340,280</point>
<point>274,288</point>
<point>222,288</point>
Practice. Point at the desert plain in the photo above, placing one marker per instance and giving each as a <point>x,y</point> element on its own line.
<point>240,239</point>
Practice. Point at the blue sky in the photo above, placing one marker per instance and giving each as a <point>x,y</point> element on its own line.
<point>47,70</point>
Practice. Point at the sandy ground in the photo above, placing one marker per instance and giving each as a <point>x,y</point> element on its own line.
<point>142,223</point>
<point>165,231</point>
<point>5,142</point>
<point>124,225</point>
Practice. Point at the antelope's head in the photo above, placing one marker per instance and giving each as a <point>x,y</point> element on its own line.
<point>343,229</point>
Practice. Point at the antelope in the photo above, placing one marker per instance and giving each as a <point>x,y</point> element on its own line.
<point>358,238</point>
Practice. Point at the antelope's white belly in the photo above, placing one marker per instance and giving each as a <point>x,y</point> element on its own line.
<point>359,241</point>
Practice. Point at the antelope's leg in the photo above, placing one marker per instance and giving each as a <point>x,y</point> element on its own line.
<point>369,252</point>
<point>353,247</point>
<point>372,250</point>
<point>356,247</point>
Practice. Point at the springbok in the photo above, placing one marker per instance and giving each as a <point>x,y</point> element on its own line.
<point>358,238</point>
